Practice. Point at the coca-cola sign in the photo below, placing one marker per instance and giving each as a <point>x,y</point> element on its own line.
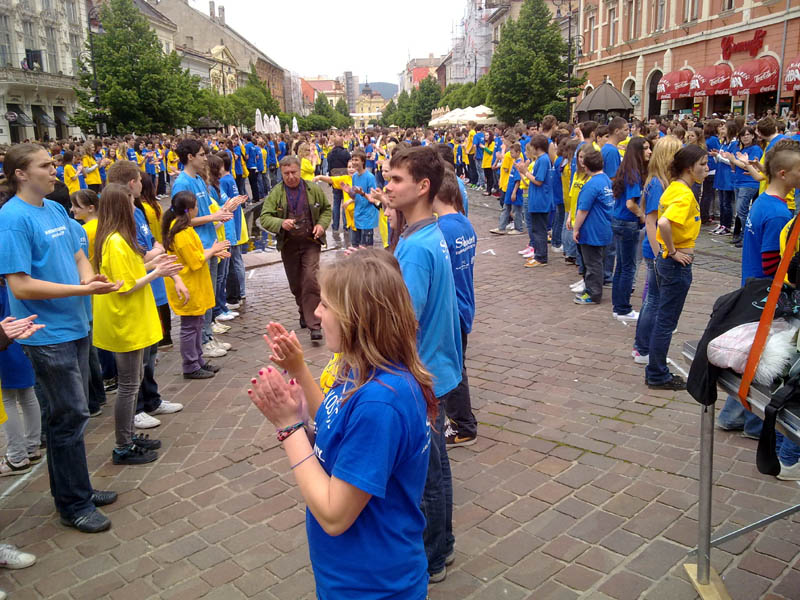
<point>730,47</point>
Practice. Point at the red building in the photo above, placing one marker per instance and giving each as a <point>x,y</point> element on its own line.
<point>702,56</point>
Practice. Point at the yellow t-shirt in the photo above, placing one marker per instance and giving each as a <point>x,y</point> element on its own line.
<point>350,209</point>
<point>470,145</point>
<point>524,182</point>
<point>140,160</point>
<point>90,227</point>
<point>172,161</point>
<point>329,374</point>
<point>152,221</point>
<point>71,178</point>
<point>488,154</point>
<point>679,205</point>
<point>195,274</point>
<point>306,170</point>
<point>571,205</point>
<point>264,159</point>
<point>505,169</point>
<point>784,237</point>
<point>92,178</point>
<point>124,322</point>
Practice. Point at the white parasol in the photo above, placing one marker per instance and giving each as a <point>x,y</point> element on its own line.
<point>295,128</point>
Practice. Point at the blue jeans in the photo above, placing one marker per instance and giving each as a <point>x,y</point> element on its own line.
<point>235,280</point>
<point>608,263</point>
<point>62,378</point>
<point>264,183</point>
<point>219,286</point>
<point>569,245</point>
<point>674,281</point>
<point>362,237</point>
<point>789,452</point>
<point>744,197</point>
<point>337,209</point>
<point>437,497</point>
<point>558,226</point>
<point>734,416</point>
<point>213,263</point>
<point>626,238</point>
<point>537,232</point>
<point>647,316</point>
<point>504,217</point>
<point>481,176</point>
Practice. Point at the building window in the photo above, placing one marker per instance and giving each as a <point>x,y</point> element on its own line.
<point>689,10</point>
<point>52,50</point>
<point>633,19</point>
<point>5,40</point>
<point>727,4</point>
<point>33,55</point>
<point>612,26</point>
<point>661,14</point>
<point>592,40</point>
<point>72,11</point>
<point>75,52</point>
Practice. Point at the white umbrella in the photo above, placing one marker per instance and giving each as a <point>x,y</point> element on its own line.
<point>274,124</point>
<point>295,129</point>
<point>277,123</point>
<point>257,126</point>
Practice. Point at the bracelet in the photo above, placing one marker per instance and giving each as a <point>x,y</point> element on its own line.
<point>287,431</point>
<point>297,464</point>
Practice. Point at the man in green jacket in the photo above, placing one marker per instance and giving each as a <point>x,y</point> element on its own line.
<point>299,213</point>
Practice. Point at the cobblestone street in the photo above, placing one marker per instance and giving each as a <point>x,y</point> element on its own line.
<point>583,483</point>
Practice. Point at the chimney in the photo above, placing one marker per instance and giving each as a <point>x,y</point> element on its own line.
<point>212,11</point>
<point>222,15</point>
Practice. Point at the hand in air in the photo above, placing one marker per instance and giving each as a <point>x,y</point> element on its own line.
<point>273,396</point>
<point>285,349</point>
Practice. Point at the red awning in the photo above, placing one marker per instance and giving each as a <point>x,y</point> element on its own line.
<point>755,76</point>
<point>792,78</point>
<point>711,81</point>
<point>674,85</point>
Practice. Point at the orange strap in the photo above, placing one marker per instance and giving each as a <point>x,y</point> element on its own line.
<point>767,316</point>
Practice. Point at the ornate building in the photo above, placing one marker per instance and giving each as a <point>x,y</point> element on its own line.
<point>369,107</point>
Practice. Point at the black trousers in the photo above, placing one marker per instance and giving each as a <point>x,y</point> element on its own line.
<point>458,404</point>
<point>253,179</point>
<point>301,263</point>
<point>593,263</point>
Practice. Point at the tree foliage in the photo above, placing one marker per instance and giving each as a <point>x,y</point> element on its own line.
<point>389,114</point>
<point>528,69</point>
<point>342,108</point>
<point>139,88</point>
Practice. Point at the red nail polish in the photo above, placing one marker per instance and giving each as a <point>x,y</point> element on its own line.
<point>252,380</point>
<point>269,369</point>
<point>261,371</point>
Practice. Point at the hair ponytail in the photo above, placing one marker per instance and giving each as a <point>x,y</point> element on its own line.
<point>176,218</point>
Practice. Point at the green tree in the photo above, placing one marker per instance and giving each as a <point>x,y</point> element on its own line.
<point>403,113</point>
<point>426,98</point>
<point>246,99</point>
<point>389,114</point>
<point>322,107</point>
<point>342,108</point>
<point>212,105</point>
<point>139,88</point>
<point>529,67</point>
<point>456,95</point>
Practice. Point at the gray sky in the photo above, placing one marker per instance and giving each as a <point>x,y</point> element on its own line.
<point>328,37</point>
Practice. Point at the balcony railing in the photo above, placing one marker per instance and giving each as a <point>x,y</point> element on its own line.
<point>15,75</point>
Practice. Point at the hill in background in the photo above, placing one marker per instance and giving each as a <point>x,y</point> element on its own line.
<point>385,89</point>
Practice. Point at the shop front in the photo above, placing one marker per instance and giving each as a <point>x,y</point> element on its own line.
<point>791,81</point>
<point>756,83</point>
<point>710,88</point>
<point>675,86</point>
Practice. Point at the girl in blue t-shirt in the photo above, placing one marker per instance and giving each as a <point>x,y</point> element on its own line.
<point>745,185</point>
<point>361,504</point>
<point>723,176</point>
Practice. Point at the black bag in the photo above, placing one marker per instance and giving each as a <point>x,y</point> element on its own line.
<point>786,395</point>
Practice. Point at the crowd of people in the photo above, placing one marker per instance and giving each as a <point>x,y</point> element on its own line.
<point>93,268</point>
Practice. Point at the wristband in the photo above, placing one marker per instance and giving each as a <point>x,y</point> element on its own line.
<point>287,431</point>
<point>297,464</point>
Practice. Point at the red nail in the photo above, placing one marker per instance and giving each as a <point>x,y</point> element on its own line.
<point>269,369</point>
<point>261,371</point>
<point>252,380</point>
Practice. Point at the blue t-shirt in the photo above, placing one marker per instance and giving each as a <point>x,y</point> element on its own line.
<point>652,198</point>
<point>461,242</point>
<point>229,227</point>
<point>237,160</point>
<point>425,263</point>
<point>378,440</point>
<point>723,178</point>
<point>370,162</point>
<point>712,143</point>
<point>597,198</point>
<point>39,241</point>
<point>16,372</point>
<point>80,233</point>
<point>762,233</point>
<point>259,160</point>
<point>478,138</point>
<point>558,189</point>
<point>60,173</point>
<point>146,239</point>
<point>632,191</point>
<point>611,160</point>
<point>514,176</point>
<point>271,160</point>
<point>150,162</point>
<point>281,149</point>
<point>742,177</point>
<point>198,187</point>
<point>132,155</point>
<point>540,197</point>
<point>251,150</point>
<point>98,157</point>
<point>227,185</point>
<point>366,213</point>
<point>464,196</point>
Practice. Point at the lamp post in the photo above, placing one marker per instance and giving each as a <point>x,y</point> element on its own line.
<point>567,4</point>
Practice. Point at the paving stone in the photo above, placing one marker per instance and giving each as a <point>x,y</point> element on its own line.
<point>657,558</point>
<point>578,577</point>
<point>596,526</point>
<point>511,549</point>
<point>625,586</point>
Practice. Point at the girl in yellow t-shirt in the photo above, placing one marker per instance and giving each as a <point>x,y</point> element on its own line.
<point>678,228</point>
<point>307,161</point>
<point>342,182</point>
<point>73,170</point>
<point>181,240</point>
<point>486,163</point>
<point>84,208</point>
<point>126,322</point>
<point>91,170</point>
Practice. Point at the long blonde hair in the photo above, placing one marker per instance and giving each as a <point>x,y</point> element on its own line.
<point>663,153</point>
<point>369,299</point>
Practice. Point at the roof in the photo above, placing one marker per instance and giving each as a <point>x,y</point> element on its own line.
<point>323,85</point>
<point>194,52</point>
<point>431,61</point>
<point>152,13</point>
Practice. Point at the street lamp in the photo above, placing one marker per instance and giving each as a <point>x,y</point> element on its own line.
<point>568,5</point>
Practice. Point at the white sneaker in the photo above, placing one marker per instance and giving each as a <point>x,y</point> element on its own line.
<point>220,344</point>
<point>510,226</point>
<point>227,316</point>
<point>144,421</point>
<point>12,558</point>
<point>497,231</point>
<point>790,473</point>
<point>167,408</point>
<point>640,359</point>
<point>514,232</point>
<point>529,253</point>
<point>211,350</point>
<point>557,249</point>
<point>525,250</point>
<point>232,305</point>
<point>631,316</point>
<point>220,328</point>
